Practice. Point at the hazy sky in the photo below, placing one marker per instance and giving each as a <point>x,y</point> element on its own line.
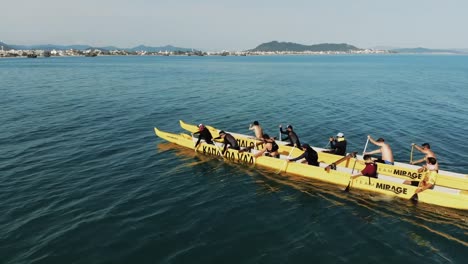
<point>235,24</point>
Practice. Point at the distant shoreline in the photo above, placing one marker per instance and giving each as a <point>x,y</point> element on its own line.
<point>250,55</point>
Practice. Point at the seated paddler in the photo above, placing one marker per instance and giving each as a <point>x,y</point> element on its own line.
<point>270,148</point>
<point>204,133</point>
<point>430,176</point>
<point>310,156</point>
<point>228,140</point>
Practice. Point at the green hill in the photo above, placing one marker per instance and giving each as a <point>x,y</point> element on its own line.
<point>294,47</point>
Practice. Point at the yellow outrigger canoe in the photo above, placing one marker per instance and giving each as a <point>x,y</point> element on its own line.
<point>399,170</point>
<point>442,197</point>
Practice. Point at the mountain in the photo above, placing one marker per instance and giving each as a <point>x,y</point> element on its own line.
<point>5,46</point>
<point>289,46</point>
<point>86,47</point>
<point>420,50</point>
<point>50,47</point>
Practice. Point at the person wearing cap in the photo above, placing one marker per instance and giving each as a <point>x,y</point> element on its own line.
<point>292,136</point>
<point>387,154</point>
<point>270,148</point>
<point>370,170</point>
<point>426,149</point>
<point>255,126</point>
<point>228,140</point>
<point>204,134</point>
<point>338,145</point>
<point>310,156</point>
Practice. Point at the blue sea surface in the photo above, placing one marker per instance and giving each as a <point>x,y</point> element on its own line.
<point>83,178</point>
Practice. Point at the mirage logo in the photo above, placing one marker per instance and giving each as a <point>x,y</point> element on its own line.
<point>391,188</point>
<point>409,174</point>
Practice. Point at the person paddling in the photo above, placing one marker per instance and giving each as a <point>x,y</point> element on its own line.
<point>204,134</point>
<point>270,148</point>
<point>370,170</point>
<point>292,136</point>
<point>337,145</point>
<point>385,150</point>
<point>310,156</point>
<point>255,126</point>
<point>426,149</point>
<point>228,140</point>
<point>429,180</point>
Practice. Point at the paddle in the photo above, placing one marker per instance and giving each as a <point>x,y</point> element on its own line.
<point>218,148</point>
<point>279,134</point>
<point>350,179</point>
<point>286,161</point>
<point>193,139</point>
<point>415,197</point>
<point>411,155</point>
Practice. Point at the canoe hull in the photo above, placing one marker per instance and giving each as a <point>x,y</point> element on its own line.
<point>458,201</point>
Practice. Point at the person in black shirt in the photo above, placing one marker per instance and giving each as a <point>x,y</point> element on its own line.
<point>338,145</point>
<point>310,155</point>
<point>204,134</point>
<point>271,148</point>
<point>292,136</point>
<point>229,140</point>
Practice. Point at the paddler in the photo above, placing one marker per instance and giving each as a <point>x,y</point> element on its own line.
<point>204,134</point>
<point>270,148</point>
<point>385,150</point>
<point>337,145</point>
<point>426,149</point>
<point>431,169</point>
<point>255,126</point>
<point>292,136</point>
<point>228,140</point>
<point>370,170</point>
<point>310,156</point>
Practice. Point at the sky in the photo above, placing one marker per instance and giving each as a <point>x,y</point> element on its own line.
<point>215,25</point>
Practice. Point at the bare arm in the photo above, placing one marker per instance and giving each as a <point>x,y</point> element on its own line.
<point>260,153</point>
<point>356,175</point>
<point>374,151</point>
<point>419,148</point>
<point>418,161</point>
<point>372,140</point>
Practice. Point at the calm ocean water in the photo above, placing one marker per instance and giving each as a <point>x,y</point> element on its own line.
<point>83,178</point>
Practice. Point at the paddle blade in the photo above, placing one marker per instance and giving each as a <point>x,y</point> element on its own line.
<point>347,187</point>
<point>414,198</point>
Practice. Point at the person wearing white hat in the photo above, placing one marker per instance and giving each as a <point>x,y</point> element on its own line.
<point>338,145</point>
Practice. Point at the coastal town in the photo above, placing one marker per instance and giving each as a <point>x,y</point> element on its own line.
<point>102,52</point>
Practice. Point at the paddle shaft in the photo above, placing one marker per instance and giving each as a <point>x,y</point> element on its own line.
<point>350,179</point>
<point>218,148</point>
<point>287,158</point>
<point>411,155</point>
